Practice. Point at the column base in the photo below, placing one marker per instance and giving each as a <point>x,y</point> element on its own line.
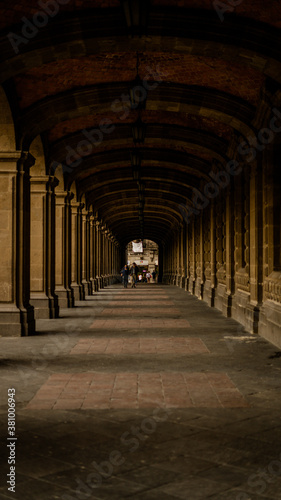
<point>65,297</point>
<point>209,293</point>
<point>15,322</point>
<point>227,305</point>
<point>92,286</point>
<point>44,307</point>
<point>192,286</point>
<point>199,289</point>
<point>252,318</point>
<point>270,321</point>
<point>78,292</point>
<point>182,282</point>
<point>87,287</point>
<point>219,300</point>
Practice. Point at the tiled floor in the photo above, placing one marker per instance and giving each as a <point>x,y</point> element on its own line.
<point>141,302</point>
<point>137,390</point>
<point>152,311</point>
<point>150,345</point>
<point>120,324</point>
<point>142,394</point>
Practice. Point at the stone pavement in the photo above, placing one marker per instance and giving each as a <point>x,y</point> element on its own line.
<point>143,394</point>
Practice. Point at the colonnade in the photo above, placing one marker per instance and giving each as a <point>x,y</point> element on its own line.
<point>52,243</point>
<point>228,253</point>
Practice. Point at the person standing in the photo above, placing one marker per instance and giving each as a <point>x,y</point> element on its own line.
<point>134,273</point>
<point>125,275</point>
<point>148,276</point>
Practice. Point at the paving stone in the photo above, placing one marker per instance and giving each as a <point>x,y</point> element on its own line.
<point>187,345</point>
<point>73,410</point>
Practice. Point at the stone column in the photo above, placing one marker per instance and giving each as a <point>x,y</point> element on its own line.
<point>16,313</point>
<point>63,249</point>
<point>92,252</point>
<point>213,252</point>
<point>98,254</point>
<point>187,263</point>
<point>105,256</point>
<point>229,240</point>
<point>23,244</point>
<point>193,259</point>
<point>178,256</point>
<point>85,253</point>
<point>110,254</point>
<point>76,251</point>
<point>255,237</point>
<point>102,256</point>
<point>42,254</point>
<point>201,276</point>
<point>174,261</point>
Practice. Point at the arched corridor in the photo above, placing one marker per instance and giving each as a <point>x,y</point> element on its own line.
<point>154,123</point>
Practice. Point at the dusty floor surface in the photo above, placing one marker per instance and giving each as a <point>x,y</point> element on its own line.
<point>143,394</point>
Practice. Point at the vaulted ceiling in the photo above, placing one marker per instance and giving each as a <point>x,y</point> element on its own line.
<point>68,81</point>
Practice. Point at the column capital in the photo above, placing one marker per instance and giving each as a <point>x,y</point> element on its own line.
<point>69,196</point>
<point>42,179</point>
<point>8,161</point>
<point>53,182</point>
<point>26,160</point>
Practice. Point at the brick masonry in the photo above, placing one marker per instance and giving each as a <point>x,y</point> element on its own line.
<point>232,78</point>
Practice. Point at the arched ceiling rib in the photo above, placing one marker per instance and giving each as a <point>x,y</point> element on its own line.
<point>209,78</point>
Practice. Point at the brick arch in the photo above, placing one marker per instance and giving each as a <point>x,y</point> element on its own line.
<point>218,106</point>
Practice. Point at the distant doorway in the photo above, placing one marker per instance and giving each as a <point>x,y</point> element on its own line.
<point>145,254</point>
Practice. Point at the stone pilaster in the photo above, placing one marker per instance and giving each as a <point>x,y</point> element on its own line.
<point>85,255</point>
<point>76,251</point>
<point>16,313</point>
<point>193,259</point>
<point>187,263</point>
<point>42,253</point>
<point>98,254</point>
<point>255,250</point>
<point>230,285</point>
<point>199,286</point>
<point>63,249</point>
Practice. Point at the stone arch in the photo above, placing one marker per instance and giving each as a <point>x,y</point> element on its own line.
<point>73,190</point>
<point>83,200</point>
<point>7,128</point>
<point>37,151</point>
<point>58,173</point>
